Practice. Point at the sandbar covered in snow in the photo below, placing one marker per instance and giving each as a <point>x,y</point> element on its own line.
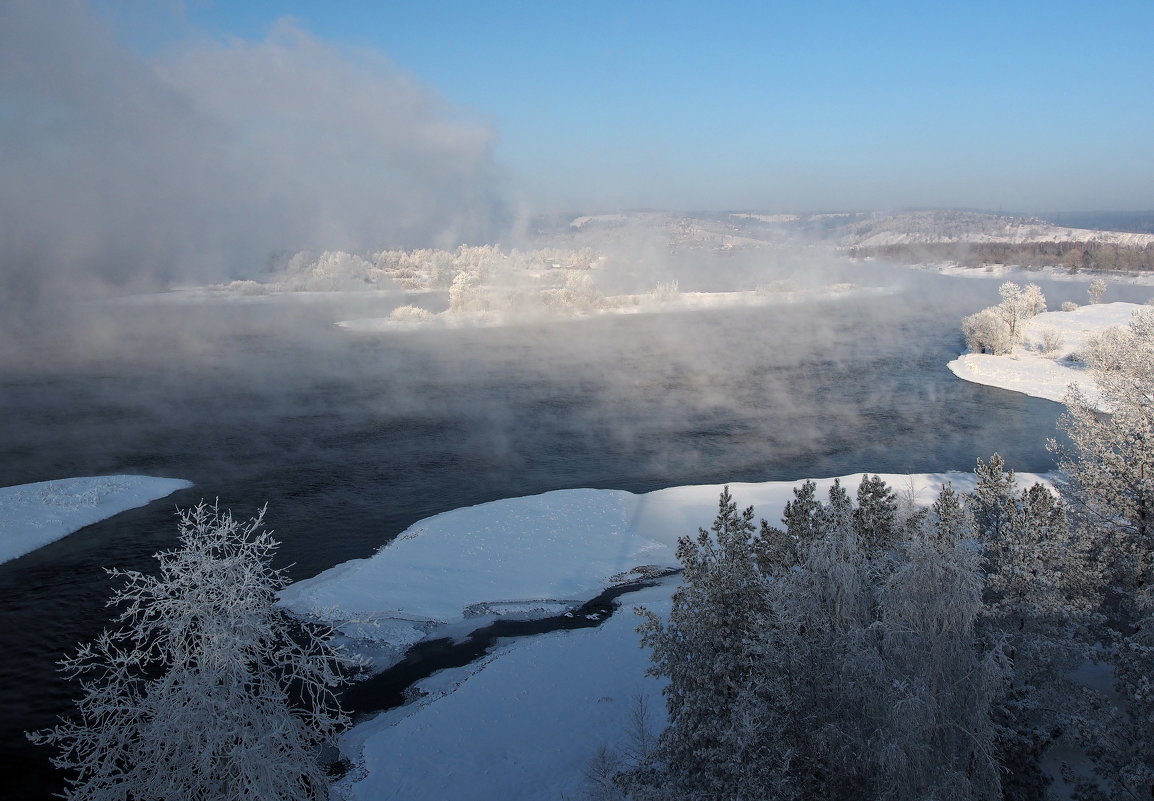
<point>33,515</point>
<point>1027,369</point>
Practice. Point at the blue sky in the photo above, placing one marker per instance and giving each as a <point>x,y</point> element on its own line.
<point>776,106</point>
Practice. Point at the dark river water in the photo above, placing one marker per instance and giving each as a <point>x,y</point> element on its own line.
<point>349,439</point>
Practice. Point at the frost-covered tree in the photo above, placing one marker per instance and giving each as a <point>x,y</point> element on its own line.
<point>1096,290</point>
<point>1018,305</point>
<point>1110,489</point>
<point>1039,603</point>
<point>467,292</point>
<point>1111,461</point>
<point>720,741</point>
<point>987,332</point>
<point>939,678</point>
<point>829,653</point>
<point>205,690</point>
<point>875,517</point>
<point>780,550</point>
<point>844,661</point>
<point>999,328</point>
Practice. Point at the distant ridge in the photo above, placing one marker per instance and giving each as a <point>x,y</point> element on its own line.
<point>1137,222</point>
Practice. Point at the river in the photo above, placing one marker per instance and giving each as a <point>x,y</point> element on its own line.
<point>350,439</point>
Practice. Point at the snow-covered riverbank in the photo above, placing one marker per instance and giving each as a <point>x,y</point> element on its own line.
<point>646,304</point>
<point>525,721</point>
<point>1032,371</point>
<point>33,515</point>
<point>1013,272</point>
<point>531,557</point>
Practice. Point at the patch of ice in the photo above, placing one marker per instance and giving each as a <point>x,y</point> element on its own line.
<point>33,515</point>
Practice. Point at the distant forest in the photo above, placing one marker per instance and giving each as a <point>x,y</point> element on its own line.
<point>1072,256</point>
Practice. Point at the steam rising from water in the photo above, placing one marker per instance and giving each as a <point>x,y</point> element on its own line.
<point>198,164</point>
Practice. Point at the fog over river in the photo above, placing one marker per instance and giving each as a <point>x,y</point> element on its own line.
<point>349,439</point>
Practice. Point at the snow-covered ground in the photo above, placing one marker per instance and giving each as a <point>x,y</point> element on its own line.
<point>617,305</point>
<point>1010,272</point>
<point>523,724</point>
<point>1027,369</point>
<point>532,556</point>
<point>526,721</point>
<point>33,515</point>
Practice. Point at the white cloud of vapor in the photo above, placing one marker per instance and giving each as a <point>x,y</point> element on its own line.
<point>198,164</point>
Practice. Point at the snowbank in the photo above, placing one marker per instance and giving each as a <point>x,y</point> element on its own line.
<point>1030,371</point>
<point>33,515</point>
<point>523,724</point>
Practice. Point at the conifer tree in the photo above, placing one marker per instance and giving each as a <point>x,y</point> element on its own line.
<point>875,517</point>
<point>720,699</point>
<point>940,678</point>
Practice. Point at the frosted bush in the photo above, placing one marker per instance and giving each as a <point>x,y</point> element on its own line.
<point>1069,306</point>
<point>987,332</point>
<point>1051,342</point>
<point>410,314</point>
<point>666,290</point>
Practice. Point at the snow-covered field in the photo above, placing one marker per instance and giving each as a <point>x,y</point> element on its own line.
<point>525,722</point>
<point>1027,369</point>
<point>33,515</point>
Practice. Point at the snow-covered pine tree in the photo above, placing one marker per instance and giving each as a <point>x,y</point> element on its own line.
<point>827,649</point>
<point>1111,462</point>
<point>1040,600</point>
<point>723,712</point>
<point>875,517</point>
<point>804,518</point>
<point>1111,494</point>
<point>205,690</point>
<point>933,736</point>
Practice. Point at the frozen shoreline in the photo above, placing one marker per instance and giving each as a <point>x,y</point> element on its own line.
<point>618,305</point>
<point>490,729</point>
<point>1014,272</point>
<point>531,557</point>
<point>1028,370</point>
<point>33,515</point>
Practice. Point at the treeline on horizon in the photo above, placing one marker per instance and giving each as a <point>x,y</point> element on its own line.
<point>1072,256</point>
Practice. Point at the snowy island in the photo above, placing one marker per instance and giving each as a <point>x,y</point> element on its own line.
<point>1033,369</point>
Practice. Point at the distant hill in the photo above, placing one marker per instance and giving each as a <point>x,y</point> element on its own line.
<point>971,238</point>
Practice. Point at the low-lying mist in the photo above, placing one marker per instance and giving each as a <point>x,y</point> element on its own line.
<point>197,163</point>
